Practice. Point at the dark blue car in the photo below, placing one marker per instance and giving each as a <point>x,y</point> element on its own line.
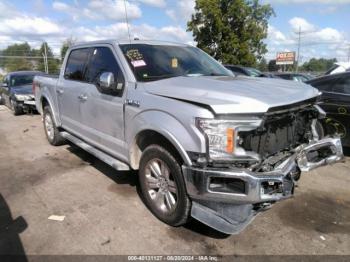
<point>16,91</point>
<point>335,101</point>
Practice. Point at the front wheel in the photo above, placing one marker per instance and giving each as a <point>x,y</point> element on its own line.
<point>51,130</point>
<point>163,186</point>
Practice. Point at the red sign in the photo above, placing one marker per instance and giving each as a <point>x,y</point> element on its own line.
<point>285,58</point>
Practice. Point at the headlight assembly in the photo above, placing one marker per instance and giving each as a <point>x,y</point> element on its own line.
<point>22,97</point>
<point>222,136</point>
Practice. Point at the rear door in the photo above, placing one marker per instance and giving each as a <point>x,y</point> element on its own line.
<point>102,113</point>
<point>69,87</point>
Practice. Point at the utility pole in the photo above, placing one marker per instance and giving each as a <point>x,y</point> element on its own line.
<point>298,57</point>
<point>45,59</point>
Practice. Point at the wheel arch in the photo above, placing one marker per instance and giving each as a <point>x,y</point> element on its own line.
<point>162,138</point>
<point>46,101</point>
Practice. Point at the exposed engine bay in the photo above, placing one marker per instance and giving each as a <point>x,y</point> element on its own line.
<point>280,133</point>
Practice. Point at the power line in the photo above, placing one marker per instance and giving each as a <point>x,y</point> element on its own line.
<point>27,57</point>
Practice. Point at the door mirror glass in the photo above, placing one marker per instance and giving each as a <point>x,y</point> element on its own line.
<point>106,80</point>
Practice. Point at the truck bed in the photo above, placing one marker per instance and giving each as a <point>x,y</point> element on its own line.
<point>44,84</point>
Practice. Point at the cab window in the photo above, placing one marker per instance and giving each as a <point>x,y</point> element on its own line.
<point>76,64</point>
<point>342,86</point>
<point>102,60</point>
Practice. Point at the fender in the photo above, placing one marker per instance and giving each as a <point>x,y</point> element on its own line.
<point>168,126</point>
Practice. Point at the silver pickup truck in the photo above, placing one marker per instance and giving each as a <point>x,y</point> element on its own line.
<point>206,144</point>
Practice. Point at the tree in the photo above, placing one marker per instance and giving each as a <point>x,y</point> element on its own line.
<point>231,31</point>
<point>262,66</point>
<point>66,45</point>
<point>16,57</point>
<point>53,63</point>
<point>22,57</point>
<point>318,65</point>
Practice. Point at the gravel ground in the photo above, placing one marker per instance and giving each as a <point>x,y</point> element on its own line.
<point>105,215</point>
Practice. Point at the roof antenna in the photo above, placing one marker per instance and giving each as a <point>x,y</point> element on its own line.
<point>127,24</point>
<point>127,21</point>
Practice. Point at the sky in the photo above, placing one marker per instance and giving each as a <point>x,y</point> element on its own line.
<point>324,24</point>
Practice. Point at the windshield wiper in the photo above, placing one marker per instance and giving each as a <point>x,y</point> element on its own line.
<point>215,74</point>
<point>159,77</point>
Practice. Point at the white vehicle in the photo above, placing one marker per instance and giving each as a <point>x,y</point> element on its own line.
<point>339,67</point>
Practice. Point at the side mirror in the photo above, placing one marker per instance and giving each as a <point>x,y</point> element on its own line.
<point>108,85</point>
<point>106,80</point>
<point>4,84</point>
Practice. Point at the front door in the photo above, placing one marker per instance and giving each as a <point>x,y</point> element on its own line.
<point>102,113</point>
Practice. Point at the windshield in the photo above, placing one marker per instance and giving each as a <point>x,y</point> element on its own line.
<point>155,62</point>
<point>19,80</point>
<point>254,72</point>
<point>331,69</point>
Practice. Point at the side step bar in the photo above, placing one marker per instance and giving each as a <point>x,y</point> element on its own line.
<point>116,164</point>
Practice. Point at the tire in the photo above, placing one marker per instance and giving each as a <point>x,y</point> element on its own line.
<point>51,131</point>
<point>155,191</point>
<point>16,110</point>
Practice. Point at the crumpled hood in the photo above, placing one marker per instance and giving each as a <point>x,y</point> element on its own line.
<point>22,90</point>
<point>228,95</point>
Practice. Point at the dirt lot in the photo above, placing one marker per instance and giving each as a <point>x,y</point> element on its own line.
<point>105,215</point>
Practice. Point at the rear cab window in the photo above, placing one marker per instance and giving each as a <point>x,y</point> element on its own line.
<point>76,64</point>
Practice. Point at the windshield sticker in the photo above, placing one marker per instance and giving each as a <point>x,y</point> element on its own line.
<point>138,63</point>
<point>134,55</point>
<point>174,63</point>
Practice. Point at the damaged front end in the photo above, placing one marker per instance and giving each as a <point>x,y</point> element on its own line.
<point>267,155</point>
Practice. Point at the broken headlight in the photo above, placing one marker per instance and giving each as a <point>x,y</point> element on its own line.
<point>22,97</point>
<point>222,136</point>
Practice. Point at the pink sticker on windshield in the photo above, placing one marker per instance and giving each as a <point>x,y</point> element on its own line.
<point>138,63</point>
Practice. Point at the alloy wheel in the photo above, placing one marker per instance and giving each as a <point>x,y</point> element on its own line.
<point>160,185</point>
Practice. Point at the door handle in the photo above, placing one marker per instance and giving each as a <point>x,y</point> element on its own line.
<point>83,97</point>
<point>59,91</point>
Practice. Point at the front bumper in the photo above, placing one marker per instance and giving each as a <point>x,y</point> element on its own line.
<point>26,105</point>
<point>252,190</point>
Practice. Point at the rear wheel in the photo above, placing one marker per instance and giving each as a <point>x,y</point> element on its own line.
<point>163,186</point>
<point>51,130</point>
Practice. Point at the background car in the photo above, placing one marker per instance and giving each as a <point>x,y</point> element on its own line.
<point>247,71</point>
<point>336,103</point>
<point>294,76</point>
<point>338,67</point>
<point>16,91</point>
